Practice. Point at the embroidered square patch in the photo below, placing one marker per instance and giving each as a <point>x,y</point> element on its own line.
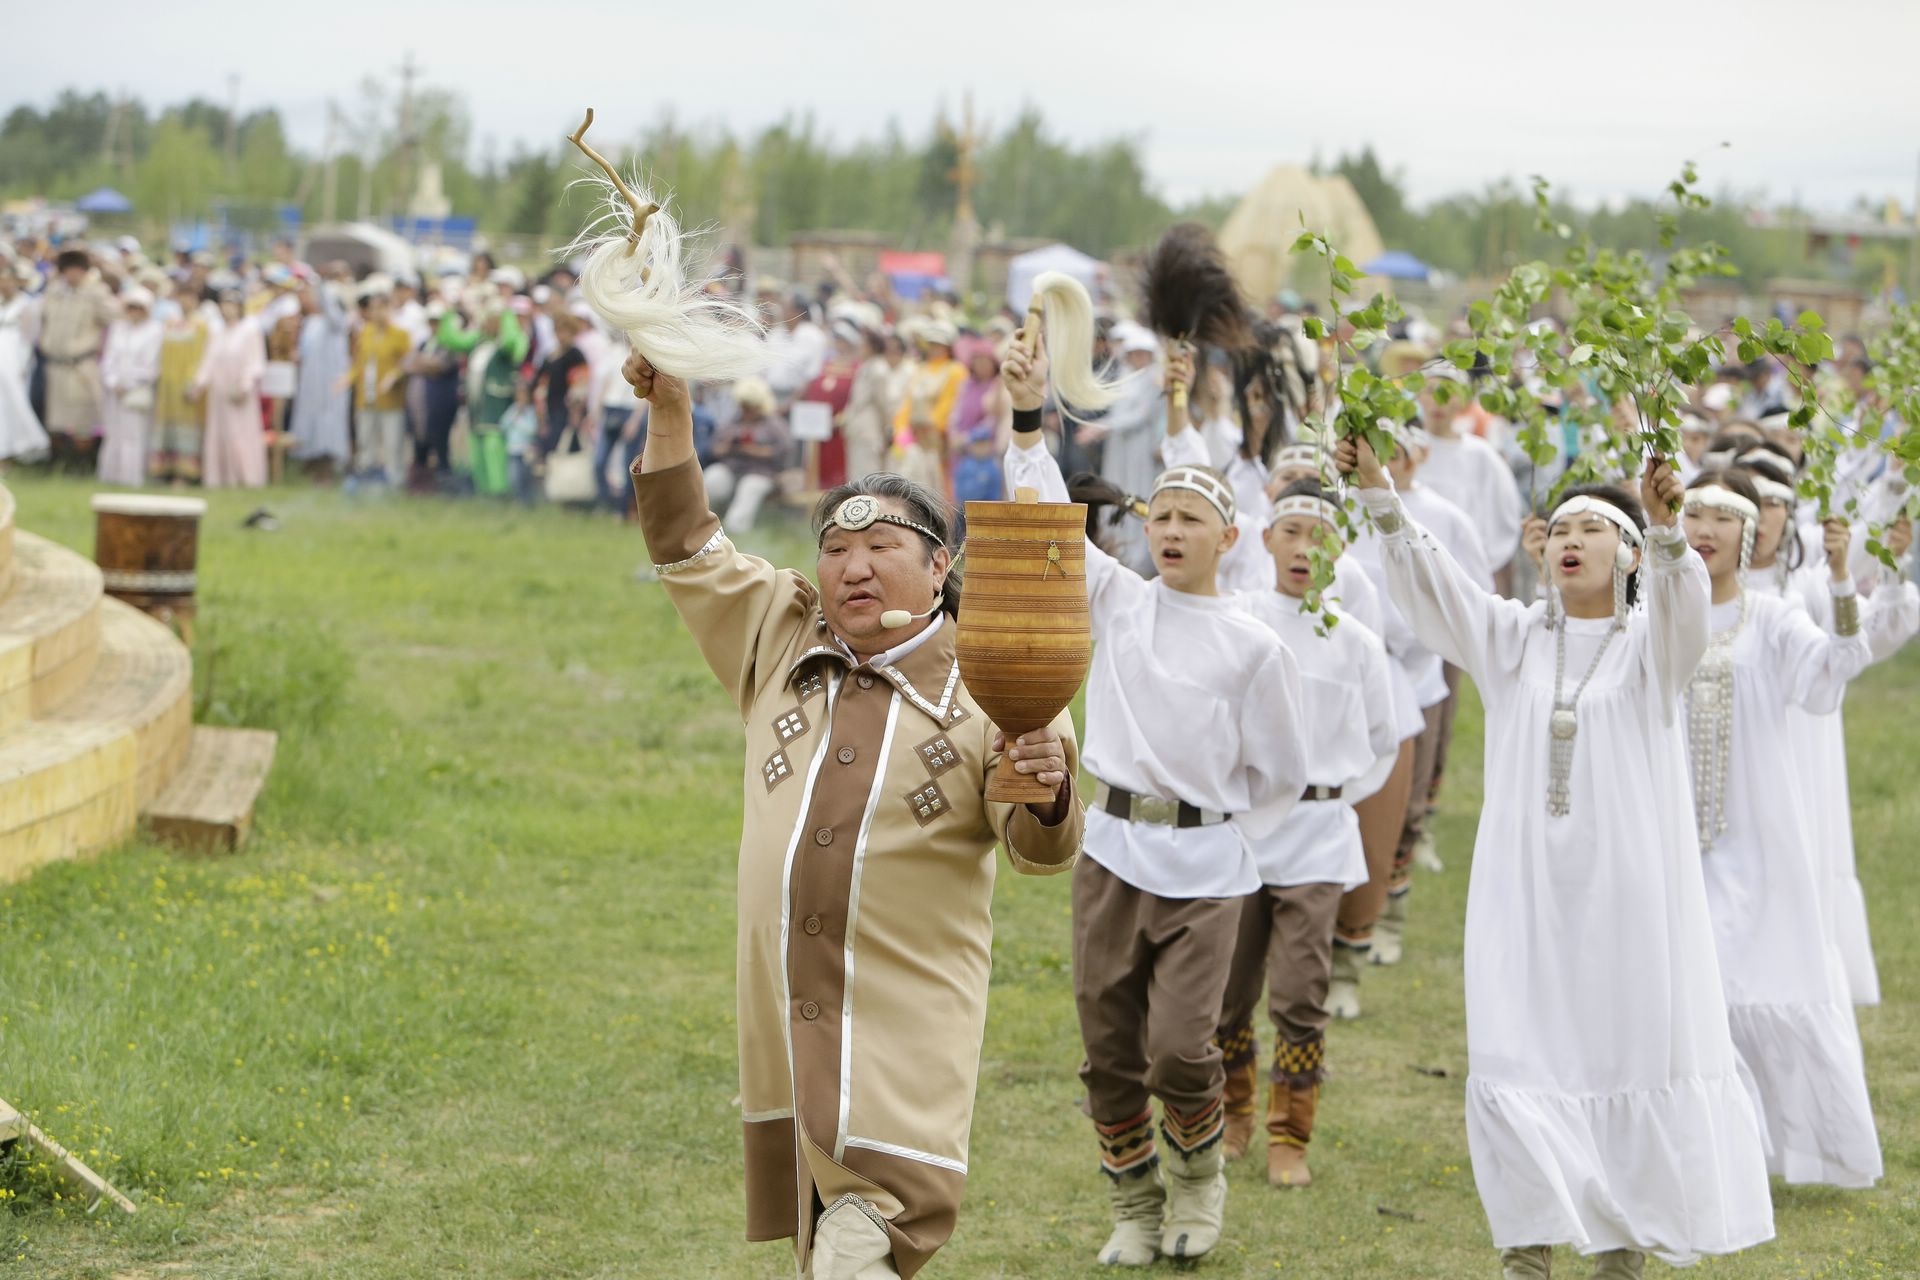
<point>927,803</point>
<point>789,725</point>
<point>776,770</point>
<point>938,753</point>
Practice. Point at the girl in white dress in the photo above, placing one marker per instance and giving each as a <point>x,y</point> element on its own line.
<point>1782,567</point>
<point>129,366</point>
<point>20,432</point>
<point>1604,1105</point>
<point>1768,884</point>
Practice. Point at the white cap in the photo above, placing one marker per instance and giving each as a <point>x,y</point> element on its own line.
<point>1128,337</point>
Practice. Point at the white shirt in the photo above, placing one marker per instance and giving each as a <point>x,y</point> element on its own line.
<point>1348,716</point>
<point>1189,698</point>
<point>1471,474</point>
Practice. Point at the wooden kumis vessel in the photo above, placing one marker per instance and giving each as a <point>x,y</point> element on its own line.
<point>1024,641</point>
<point>148,550</point>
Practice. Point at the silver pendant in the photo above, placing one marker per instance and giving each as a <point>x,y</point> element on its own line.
<point>1563,723</point>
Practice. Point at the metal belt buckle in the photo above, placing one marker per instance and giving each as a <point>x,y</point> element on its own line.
<point>1161,813</point>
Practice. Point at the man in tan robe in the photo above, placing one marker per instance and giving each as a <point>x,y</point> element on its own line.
<point>74,316</point>
<point>866,854</point>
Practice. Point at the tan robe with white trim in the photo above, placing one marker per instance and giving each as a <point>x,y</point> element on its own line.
<point>864,819</point>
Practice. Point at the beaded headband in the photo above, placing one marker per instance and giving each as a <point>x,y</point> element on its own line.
<point>1204,483</point>
<point>1774,491</point>
<point>863,509</point>
<point>1719,499</point>
<point>1588,505</point>
<point>1297,455</point>
<point>1304,504</point>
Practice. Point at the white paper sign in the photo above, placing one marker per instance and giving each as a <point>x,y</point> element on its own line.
<point>812,420</point>
<point>276,382</point>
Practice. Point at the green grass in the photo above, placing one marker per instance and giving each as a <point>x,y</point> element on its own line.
<point>465,1004</point>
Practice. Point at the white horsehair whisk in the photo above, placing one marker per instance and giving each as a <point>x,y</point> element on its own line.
<point>636,278</point>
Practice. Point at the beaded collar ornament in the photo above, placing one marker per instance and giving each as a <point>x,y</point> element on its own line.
<point>1710,692</point>
<point>1563,723</point>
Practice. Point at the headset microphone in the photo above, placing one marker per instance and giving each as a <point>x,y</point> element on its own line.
<point>893,618</point>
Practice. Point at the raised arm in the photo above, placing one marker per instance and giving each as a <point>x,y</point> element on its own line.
<point>1819,664</point>
<point>1449,612</point>
<point>741,610</point>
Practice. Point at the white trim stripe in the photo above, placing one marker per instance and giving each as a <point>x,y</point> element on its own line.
<point>786,911</point>
<point>908,1153</point>
<point>762,1117</point>
<point>853,919</point>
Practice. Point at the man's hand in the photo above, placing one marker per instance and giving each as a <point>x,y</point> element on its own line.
<point>1661,492</point>
<point>1837,538</point>
<point>661,390</point>
<point>1533,541</point>
<point>1353,456</point>
<point>1040,754</point>
<point>1024,373</point>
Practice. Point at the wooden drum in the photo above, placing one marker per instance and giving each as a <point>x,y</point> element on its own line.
<point>1024,642</point>
<point>148,548</point>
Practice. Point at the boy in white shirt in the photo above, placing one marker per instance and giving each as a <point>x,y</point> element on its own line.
<point>1193,735</point>
<point>1287,926</point>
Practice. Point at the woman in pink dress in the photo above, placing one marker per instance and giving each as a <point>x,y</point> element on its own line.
<point>235,453</point>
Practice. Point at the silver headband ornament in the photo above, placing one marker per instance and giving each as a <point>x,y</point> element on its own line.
<point>863,510</point>
<point>1204,483</point>
<point>1304,504</point>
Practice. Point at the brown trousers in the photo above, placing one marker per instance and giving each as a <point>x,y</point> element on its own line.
<point>1381,815</point>
<point>1286,943</point>
<point>1148,977</point>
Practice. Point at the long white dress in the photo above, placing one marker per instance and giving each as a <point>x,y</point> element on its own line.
<point>1768,888</point>
<point>1889,617</point>
<point>1604,1105</point>
<point>129,366</point>
<point>20,432</point>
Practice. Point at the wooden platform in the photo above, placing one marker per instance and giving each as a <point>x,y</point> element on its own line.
<point>208,806</point>
<point>49,627</point>
<point>89,1185</point>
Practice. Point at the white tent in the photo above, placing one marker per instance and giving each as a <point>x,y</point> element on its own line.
<point>1259,234</point>
<point>1025,269</point>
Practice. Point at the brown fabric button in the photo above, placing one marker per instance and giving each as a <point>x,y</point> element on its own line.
<point>809,1011</point>
<point>812,925</point>
<point>823,837</point>
<point>845,755</point>
<point>865,682</point>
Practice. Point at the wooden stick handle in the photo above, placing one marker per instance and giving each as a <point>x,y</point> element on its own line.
<point>1030,332</point>
<point>640,212</point>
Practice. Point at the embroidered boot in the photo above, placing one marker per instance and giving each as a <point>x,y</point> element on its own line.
<point>1196,1171</point>
<point>1132,1170</point>
<point>1289,1129</point>
<point>1388,929</point>
<point>850,1243</point>
<point>1619,1264</point>
<point>1534,1262</point>
<point>1343,993</point>
<point>1237,1098</point>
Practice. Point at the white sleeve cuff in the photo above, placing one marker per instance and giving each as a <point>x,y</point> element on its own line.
<point>1841,589</point>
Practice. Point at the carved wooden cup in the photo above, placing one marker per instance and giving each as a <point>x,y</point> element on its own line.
<point>1024,642</point>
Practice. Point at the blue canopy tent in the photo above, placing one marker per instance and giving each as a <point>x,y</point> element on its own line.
<point>103,200</point>
<point>1398,264</point>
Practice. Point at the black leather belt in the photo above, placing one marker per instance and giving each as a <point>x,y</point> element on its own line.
<point>1129,807</point>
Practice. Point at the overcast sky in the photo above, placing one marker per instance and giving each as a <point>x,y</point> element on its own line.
<point>1605,97</point>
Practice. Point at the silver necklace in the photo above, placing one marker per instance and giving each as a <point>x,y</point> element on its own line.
<point>1564,724</point>
<point>1710,730</point>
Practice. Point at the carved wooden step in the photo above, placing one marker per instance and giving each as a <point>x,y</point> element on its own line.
<point>208,806</point>
<point>49,628</point>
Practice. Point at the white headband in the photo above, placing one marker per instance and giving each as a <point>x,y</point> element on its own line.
<point>1297,455</point>
<point>1204,483</point>
<point>1588,505</point>
<point>1720,499</point>
<point>1763,460</point>
<point>1774,491</point>
<point>1304,504</point>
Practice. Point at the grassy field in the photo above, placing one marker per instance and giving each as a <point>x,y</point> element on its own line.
<point>465,1005</point>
